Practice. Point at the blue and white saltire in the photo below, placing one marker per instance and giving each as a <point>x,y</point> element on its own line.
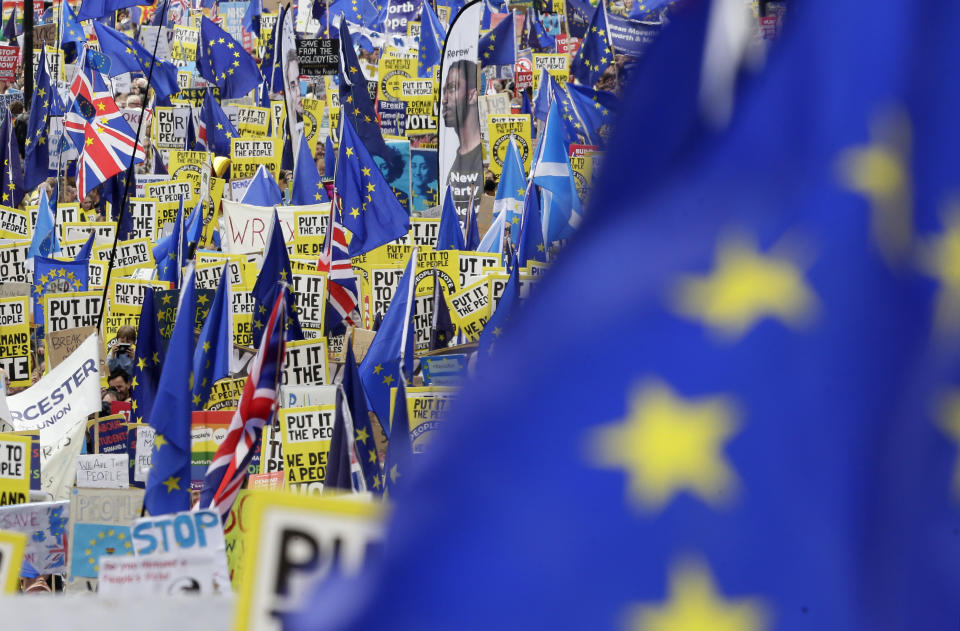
<point>492,241</point>
<point>552,173</point>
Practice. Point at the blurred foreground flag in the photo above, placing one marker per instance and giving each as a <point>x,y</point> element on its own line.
<point>769,443</point>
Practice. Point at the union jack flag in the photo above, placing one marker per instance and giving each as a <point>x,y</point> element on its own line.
<point>342,301</point>
<point>96,127</point>
<point>256,408</point>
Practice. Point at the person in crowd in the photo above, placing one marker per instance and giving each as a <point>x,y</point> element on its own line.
<point>122,353</point>
<point>119,383</point>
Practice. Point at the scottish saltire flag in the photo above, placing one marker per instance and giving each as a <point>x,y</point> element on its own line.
<point>147,360</point>
<point>433,36</point>
<point>251,19</point>
<point>307,187</point>
<point>168,483</point>
<point>274,274</point>
<point>94,9</point>
<point>511,189</point>
<point>504,310</point>
<point>52,276</point>
<point>84,253</point>
<point>399,457</point>
<point>390,356</point>
<point>499,46</point>
<point>45,242</point>
<point>256,408</point>
<point>553,174</point>
<point>492,240</point>
<point>449,233</point>
<point>211,358</point>
<point>596,52</point>
<point>530,244</point>
<point>72,38</point>
<point>97,129</point>
<point>12,187</point>
<point>343,297</point>
<point>127,55</point>
<point>216,131</point>
<point>223,62</point>
<point>36,150</point>
<point>263,189</point>
<point>355,101</point>
<point>370,210</point>
<point>699,468</point>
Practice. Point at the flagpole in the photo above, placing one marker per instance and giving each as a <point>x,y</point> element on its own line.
<point>126,184</point>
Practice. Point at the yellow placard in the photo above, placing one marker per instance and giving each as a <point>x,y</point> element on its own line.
<point>426,409</point>
<point>253,120</point>
<point>312,119</point>
<point>557,65</point>
<point>503,127</point>
<point>187,165</point>
<point>225,394</point>
<point>126,294</point>
<point>470,308</point>
<point>14,223</point>
<point>393,70</point>
<point>14,469</point>
<point>247,154</point>
<point>12,545</point>
<point>15,357</point>
<point>305,435</point>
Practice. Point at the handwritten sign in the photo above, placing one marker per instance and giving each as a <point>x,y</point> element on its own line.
<point>102,471</point>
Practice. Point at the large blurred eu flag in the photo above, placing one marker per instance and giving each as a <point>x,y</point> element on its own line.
<point>770,443</point>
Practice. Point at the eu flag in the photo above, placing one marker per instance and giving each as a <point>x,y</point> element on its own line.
<point>432,38</point>
<point>596,53</point>
<point>390,356</point>
<point>504,309</point>
<point>363,437</point>
<point>211,359</point>
<point>396,466</point>
<point>45,242</point>
<point>499,46</point>
<point>371,211</point>
<point>530,246</point>
<point>72,39</point>
<point>758,444</point>
<point>52,276</point>
<point>355,103</point>
<point>307,187</point>
<point>12,187</point>
<point>222,61</point>
<point>37,152</point>
<point>147,360</point>
<point>127,55</point>
<point>167,254</point>
<point>216,129</point>
<point>449,234</point>
<point>168,484</point>
<point>94,9</point>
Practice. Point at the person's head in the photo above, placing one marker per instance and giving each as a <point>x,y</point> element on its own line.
<point>291,74</point>
<point>422,172</point>
<point>16,108</point>
<point>133,100</point>
<point>127,334</point>
<point>459,96</point>
<point>91,200</point>
<point>120,381</point>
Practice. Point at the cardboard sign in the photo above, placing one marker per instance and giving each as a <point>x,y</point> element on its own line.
<point>45,523</point>
<point>305,434</point>
<point>170,130</point>
<point>143,452</point>
<point>60,344</point>
<point>103,231</point>
<point>14,223</point>
<point>15,356</point>
<point>444,370</point>
<point>15,455</point>
<point>12,545</point>
<point>246,226</point>
<point>13,258</point>
<point>235,530</point>
<point>143,218</point>
<point>246,156</point>
<point>100,526</point>
<point>129,256</point>
<point>306,363</point>
<point>474,266</point>
<point>470,308</point>
<point>296,542</point>
<point>102,471</point>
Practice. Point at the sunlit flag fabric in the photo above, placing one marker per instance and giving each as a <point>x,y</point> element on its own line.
<point>251,19</point>
<point>596,52</point>
<point>390,356</point>
<point>72,39</point>
<point>12,187</point>
<point>370,210</point>
<point>511,189</point>
<point>147,360</point>
<point>228,470</point>
<point>37,151</point>
<point>216,131</point>
<point>127,55</point>
<point>167,254</point>
<point>432,38</point>
<point>224,62</point>
<point>449,234</point>
<point>343,302</point>
<point>702,452</point>
<point>45,242</point>
<point>307,187</point>
<point>86,249</point>
<point>211,359</point>
<point>97,129</point>
<point>499,46</point>
<point>168,483</point>
<point>263,189</point>
<point>554,175</point>
<point>355,103</point>
<point>587,114</point>
<point>530,246</point>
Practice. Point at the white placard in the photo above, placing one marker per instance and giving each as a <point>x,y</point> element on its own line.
<point>103,471</point>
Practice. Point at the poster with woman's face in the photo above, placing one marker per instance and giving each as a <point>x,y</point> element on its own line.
<point>423,180</point>
<point>396,170</point>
